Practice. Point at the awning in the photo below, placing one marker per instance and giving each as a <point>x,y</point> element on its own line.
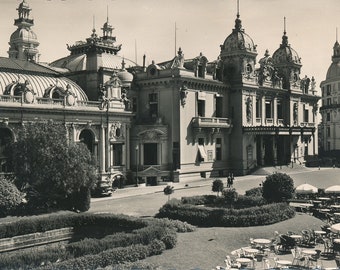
<point>202,151</point>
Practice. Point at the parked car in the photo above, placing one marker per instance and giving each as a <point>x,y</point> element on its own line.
<point>102,189</point>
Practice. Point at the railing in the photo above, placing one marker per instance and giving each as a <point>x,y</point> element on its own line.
<point>269,121</point>
<point>49,101</point>
<point>210,122</point>
<point>280,122</point>
<point>258,121</point>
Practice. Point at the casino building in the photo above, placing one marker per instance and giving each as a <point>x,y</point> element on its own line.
<point>166,121</point>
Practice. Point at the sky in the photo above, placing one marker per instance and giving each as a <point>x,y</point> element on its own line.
<point>148,27</point>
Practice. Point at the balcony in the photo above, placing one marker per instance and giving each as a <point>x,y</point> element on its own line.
<point>210,122</point>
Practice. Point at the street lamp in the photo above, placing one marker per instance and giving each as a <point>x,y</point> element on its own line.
<point>136,165</point>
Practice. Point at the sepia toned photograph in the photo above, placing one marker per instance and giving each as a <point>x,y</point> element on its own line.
<point>170,135</point>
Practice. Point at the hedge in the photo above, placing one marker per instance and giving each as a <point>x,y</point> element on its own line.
<point>148,237</point>
<point>226,217</point>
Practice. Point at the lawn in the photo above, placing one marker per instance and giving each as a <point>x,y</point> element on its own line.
<point>207,247</point>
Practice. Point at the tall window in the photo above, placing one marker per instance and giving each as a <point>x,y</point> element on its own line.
<point>153,104</point>
<point>269,113</point>
<point>258,108</point>
<point>201,108</point>
<point>279,110</point>
<point>328,117</point>
<point>117,154</point>
<point>328,132</point>
<point>218,106</point>
<point>150,154</point>
<point>305,114</point>
<point>218,154</point>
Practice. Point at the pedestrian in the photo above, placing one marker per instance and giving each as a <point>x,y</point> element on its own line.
<point>231,180</point>
<point>228,181</point>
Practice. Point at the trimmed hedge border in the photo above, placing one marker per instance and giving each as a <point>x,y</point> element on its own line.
<point>143,238</point>
<point>226,217</point>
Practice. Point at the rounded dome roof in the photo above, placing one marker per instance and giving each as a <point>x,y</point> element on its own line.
<point>286,54</point>
<point>238,40</point>
<point>24,34</point>
<point>125,76</point>
<point>333,71</point>
<point>24,4</point>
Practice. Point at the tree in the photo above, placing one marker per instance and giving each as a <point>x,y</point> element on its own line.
<point>278,187</point>
<point>168,190</point>
<point>10,197</point>
<point>217,186</point>
<point>50,168</point>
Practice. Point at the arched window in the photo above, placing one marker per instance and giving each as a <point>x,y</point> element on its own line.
<point>86,136</point>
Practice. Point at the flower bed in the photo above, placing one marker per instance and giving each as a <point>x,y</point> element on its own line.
<point>226,217</point>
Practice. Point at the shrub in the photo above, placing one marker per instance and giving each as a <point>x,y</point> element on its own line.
<point>256,192</point>
<point>149,237</point>
<point>230,196</point>
<point>278,187</point>
<point>10,197</point>
<point>157,247</point>
<point>217,186</point>
<point>226,217</point>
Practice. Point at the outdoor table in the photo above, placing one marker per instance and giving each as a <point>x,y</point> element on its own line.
<point>262,241</point>
<point>335,206</point>
<point>323,199</point>
<point>309,252</point>
<point>250,250</point>
<point>243,261</point>
<point>283,263</point>
<point>297,237</point>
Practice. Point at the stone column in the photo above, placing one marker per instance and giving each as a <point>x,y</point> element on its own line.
<point>102,149</point>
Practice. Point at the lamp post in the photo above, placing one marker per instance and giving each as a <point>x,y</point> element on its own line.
<point>136,165</point>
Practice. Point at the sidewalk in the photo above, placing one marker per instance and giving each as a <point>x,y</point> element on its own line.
<point>130,191</point>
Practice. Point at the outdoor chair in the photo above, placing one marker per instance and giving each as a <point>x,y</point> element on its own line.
<point>328,248</point>
<point>298,258</point>
<point>286,243</point>
<point>232,264</point>
<point>315,259</point>
<point>337,261</point>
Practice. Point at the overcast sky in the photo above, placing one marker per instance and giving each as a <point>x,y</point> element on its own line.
<point>148,27</point>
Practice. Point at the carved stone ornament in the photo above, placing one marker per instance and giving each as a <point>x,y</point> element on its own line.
<point>249,108</point>
<point>116,131</point>
<point>183,95</point>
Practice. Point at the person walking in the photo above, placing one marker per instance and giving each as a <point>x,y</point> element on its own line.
<point>231,180</point>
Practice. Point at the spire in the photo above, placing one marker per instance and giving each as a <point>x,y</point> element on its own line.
<point>336,47</point>
<point>107,27</point>
<point>238,22</point>
<point>284,37</point>
<point>23,42</point>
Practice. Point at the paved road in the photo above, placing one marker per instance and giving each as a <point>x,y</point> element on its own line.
<point>146,201</point>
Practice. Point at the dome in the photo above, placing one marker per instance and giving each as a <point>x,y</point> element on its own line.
<point>24,5</point>
<point>239,41</point>
<point>333,71</point>
<point>125,76</point>
<point>286,54</point>
<point>24,34</point>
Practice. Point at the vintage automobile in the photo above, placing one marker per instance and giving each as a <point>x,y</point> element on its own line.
<point>103,189</point>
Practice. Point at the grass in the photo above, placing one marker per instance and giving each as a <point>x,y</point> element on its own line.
<point>207,247</point>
